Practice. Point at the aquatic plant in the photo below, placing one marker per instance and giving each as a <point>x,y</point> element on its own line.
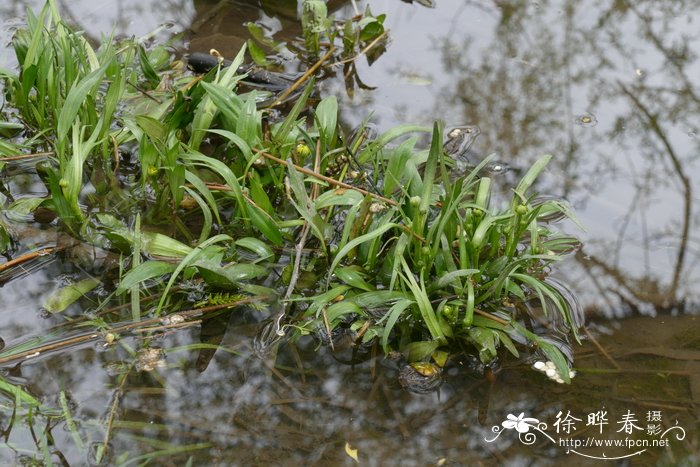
<point>333,230</point>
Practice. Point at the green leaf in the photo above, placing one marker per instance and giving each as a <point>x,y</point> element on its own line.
<point>192,256</point>
<point>148,71</point>
<point>143,272</point>
<point>424,305</point>
<point>531,175</point>
<point>485,340</point>
<point>157,244</point>
<point>393,316</point>
<point>550,350</point>
<point>420,351</point>
<point>291,119</point>
<point>257,54</point>
<point>320,301</point>
<point>229,277</point>
<point>18,394</point>
<point>351,276</point>
<point>327,119</point>
<point>358,241</point>
<point>339,309</point>
<point>76,97</point>
<point>450,277</point>
<point>255,245</point>
<point>338,197</point>
<point>62,298</point>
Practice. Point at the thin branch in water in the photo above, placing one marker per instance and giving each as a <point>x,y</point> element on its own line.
<point>602,350</point>
<point>281,98</point>
<point>27,257</point>
<point>685,181</point>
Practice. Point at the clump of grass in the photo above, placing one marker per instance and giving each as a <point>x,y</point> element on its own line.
<point>406,256</point>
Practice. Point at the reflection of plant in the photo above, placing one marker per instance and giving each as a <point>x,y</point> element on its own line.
<point>340,42</point>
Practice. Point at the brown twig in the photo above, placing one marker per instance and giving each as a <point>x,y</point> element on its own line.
<point>303,78</point>
<point>491,317</point>
<point>27,257</point>
<point>118,394</point>
<point>600,349</point>
<point>326,179</point>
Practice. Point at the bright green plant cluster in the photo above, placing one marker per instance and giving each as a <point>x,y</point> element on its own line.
<point>407,256</point>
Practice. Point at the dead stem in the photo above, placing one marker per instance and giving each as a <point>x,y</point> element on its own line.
<point>600,348</point>
<point>367,48</point>
<point>491,317</point>
<point>303,78</point>
<point>27,257</point>
<point>329,180</point>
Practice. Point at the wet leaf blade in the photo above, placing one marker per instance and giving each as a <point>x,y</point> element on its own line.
<point>353,278</point>
<point>393,316</point>
<point>143,272</point>
<point>62,298</point>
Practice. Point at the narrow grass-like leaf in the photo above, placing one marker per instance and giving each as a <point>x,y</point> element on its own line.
<point>75,99</point>
<point>187,261</point>
<point>206,214</point>
<point>420,350</point>
<point>327,120</point>
<point>372,148</point>
<point>392,317</point>
<point>291,119</point>
<point>531,175</point>
<point>449,277</point>
<point>18,393</point>
<point>157,244</point>
<point>424,305</point>
<point>229,277</point>
<point>70,422</point>
<point>550,350</point>
<point>338,197</point>
<point>381,230</point>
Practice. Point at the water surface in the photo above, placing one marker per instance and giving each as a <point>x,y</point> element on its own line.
<point>609,88</point>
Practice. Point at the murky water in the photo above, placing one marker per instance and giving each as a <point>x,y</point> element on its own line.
<point>609,88</point>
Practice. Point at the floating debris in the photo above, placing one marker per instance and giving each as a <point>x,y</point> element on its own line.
<point>150,359</point>
<point>586,120</point>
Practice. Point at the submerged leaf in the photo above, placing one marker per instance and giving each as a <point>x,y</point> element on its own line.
<point>62,298</point>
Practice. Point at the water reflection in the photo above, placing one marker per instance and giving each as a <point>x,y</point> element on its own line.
<point>608,88</point>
